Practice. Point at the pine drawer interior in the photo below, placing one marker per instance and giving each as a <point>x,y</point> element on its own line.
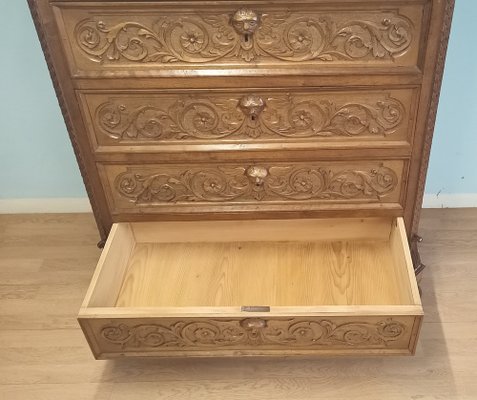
<point>269,287</point>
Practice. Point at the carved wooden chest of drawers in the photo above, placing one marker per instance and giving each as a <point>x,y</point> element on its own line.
<point>257,169</point>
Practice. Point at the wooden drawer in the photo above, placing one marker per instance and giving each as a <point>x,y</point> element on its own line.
<point>282,186</point>
<point>156,38</point>
<point>160,121</point>
<point>276,287</point>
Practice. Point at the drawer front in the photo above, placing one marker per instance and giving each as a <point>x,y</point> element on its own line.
<point>252,336</point>
<point>341,117</point>
<point>278,185</point>
<point>117,39</point>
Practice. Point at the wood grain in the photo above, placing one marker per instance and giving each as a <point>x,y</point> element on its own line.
<point>43,354</point>
<point>327,229</point>
<point>114,259</point>
<point>264,273</point>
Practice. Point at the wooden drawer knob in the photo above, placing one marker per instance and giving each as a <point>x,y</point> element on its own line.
<point>245,22</point>
<point>252,106</point>
<point>257,175</point>
<point>253,323</point>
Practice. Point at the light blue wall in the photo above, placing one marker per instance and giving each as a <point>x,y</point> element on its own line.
<point>36,159</point>
<point>453,167</point>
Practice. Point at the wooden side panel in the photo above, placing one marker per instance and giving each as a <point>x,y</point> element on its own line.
<point>402,259</point>
<point>433,72</point>
<point>150,121</point>
<point>176,188</point>
<point>109,274</point>
<point>118,39</point>
<point>43,19</point>
<point>326,335</point>
<point>262,230</point>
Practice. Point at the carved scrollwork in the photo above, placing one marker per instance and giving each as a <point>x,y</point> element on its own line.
<point>294,117</point>
<point>253,332</point>
<point>247,35</point>
<point>185,119</point>
<point>249,117</point>
<point>255,183</point>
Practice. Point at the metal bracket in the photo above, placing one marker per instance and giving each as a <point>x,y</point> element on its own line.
<point>416,257</point>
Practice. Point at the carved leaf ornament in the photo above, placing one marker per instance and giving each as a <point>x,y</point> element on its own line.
<point>249,117</point>
<point>255,183</point>
<point>246,35</point>
<point>253,332</point>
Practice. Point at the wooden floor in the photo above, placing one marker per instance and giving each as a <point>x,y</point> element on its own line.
<point>45,266</point>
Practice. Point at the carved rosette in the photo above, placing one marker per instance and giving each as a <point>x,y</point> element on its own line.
<point>247,35</point>
<point>249,118</point>
<point>301,333</point>
<point>255,183</point>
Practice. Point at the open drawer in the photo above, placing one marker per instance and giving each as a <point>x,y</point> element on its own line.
<point>262,287</point>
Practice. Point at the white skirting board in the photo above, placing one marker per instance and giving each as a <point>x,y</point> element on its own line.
<point>82,205</point>
<point>447,200</point>
<point>53,205</point>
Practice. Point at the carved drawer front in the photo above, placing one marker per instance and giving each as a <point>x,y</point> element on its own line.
<point>275,287</point>
<point>116,39</point>
<point>315,117</point>
<point>283,185</point>
<point>270,185</point>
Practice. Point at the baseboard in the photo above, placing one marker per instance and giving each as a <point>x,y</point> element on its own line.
<point>53,205</point>
<point>82,205</point>
<point>446,200</point>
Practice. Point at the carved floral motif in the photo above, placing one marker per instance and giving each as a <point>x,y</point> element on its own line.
<point>253,332</point>
<point>249,117</point>
<point>247,35</point>
<point>255,183</point>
